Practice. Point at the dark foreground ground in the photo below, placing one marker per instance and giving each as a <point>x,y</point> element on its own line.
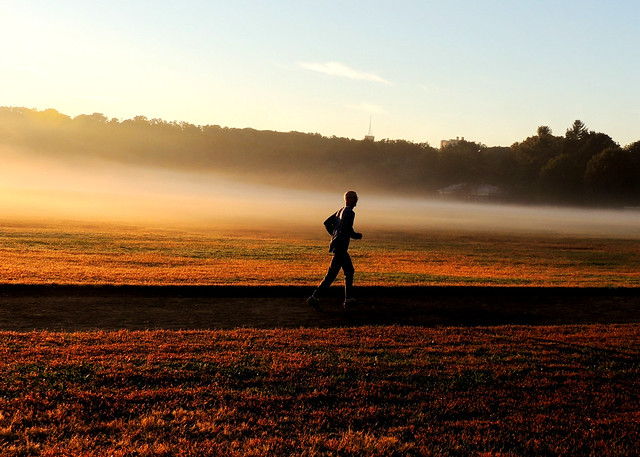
<point>81,308</point>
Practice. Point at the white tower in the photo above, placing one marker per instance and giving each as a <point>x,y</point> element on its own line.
<point>369,136</point>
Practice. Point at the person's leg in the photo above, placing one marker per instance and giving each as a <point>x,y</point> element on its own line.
<point>332,272</point>
<point>349,271</point>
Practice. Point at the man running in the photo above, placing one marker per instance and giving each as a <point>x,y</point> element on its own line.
<point>340,227</point>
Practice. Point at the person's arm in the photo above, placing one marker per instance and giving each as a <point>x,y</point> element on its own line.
<point>347,225</point>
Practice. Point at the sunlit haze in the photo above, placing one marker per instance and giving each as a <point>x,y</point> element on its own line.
<point>491,71</point>
<point>37,189</point>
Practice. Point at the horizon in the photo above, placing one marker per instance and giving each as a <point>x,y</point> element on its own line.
<point>490,72</point>
<point>178,121</point>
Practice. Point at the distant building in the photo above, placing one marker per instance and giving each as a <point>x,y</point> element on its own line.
<point>466,191</point>
<point>369,136</point>
<point>451,142</point>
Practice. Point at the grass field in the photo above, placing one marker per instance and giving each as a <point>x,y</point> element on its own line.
<point>355,391</point>
<point>76,254</point>
<point>366,390</point>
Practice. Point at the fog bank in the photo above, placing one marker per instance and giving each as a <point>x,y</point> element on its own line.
<point>93,191</point>
<point>452,215</point>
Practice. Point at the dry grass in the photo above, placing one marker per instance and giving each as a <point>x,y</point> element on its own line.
<point>77,254</point>
<point>376,391</point>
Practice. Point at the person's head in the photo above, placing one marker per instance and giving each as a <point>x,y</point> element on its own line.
<point>351,198</point>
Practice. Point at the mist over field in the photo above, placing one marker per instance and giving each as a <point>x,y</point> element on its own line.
<point>583,168</point>
<point>39,189</point>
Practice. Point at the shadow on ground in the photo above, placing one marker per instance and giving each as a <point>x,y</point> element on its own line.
<point>81,308</point>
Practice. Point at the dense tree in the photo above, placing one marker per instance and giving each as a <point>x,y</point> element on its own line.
<point>462,162</point>
<point>613,176</point>
<point>531,156</point>
<point>562,175</point>
<point>582,167</point>
<point>577,132</point>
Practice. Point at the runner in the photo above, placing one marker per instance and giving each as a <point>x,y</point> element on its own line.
<point>340,227</point>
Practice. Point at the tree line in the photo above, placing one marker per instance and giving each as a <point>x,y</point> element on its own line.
<point>581,167</point>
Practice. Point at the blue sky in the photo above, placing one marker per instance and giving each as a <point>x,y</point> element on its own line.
<point>491,71</point>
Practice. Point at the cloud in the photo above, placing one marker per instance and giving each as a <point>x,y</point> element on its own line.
<point>341,70</point>
<point>368,107</point>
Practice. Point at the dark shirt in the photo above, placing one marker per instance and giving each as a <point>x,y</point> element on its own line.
<point>340,227</point>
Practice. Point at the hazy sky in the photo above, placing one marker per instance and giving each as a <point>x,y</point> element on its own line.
<point>489,70</point>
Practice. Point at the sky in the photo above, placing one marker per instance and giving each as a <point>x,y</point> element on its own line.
<point>491,71</point>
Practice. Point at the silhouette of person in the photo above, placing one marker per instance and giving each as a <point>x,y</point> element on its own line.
<point>340,227</point>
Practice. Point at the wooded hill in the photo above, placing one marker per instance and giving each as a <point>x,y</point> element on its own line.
<point>580,168</point>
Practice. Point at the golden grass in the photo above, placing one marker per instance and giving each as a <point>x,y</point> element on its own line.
<point>82,254</point>
<point>373,391</point>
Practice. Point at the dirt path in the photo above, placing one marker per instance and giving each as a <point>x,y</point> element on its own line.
<point>81,308</point>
